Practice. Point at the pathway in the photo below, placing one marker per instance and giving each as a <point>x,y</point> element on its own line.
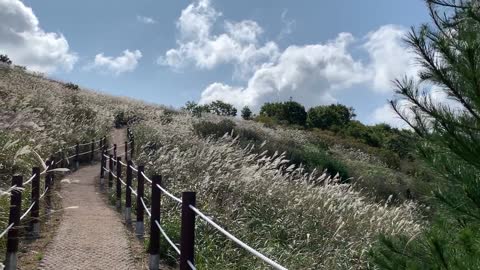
<point>91,234</point>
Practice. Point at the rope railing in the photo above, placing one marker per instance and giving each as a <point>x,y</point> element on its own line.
<point>169,194</point>
<point>28,211</point>
<point>167,238</point>
<point>6,230</point>
<point>30,180</point>
<point>236,240</point>
<point>145,207</point>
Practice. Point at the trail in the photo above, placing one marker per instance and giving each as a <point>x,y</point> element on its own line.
<point>91,235</point>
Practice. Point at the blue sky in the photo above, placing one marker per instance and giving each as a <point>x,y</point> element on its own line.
<point>244,52</point>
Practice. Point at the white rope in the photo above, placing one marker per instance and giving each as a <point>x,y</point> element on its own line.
<point>105,169</point>
<point>106,156</point>
<point>133,191</point>
<point>114,175</point>
<point>45,192</point>
<point>6,230</point>
<point>191,265</point>
<point>146,178</point>
<point>145,206</point>
<point>28,210</point>
<point>238,241</point>
<point>167,238</point>
<point>133,168</point>
<point>123,164</point>
<point>123,183</point>
<point>29,180</point>
<point>169,194</point>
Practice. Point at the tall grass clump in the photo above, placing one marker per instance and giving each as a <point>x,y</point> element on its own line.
<point>303,220</point>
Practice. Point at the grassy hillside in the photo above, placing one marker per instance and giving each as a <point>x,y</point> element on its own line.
<point>298,215</point>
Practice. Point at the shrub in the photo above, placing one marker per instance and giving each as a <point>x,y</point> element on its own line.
<point>4,59</point>
<point>207,128</point>
<point>72,86</point>
<point>246,113</point>
<point>289,112</point>
<point>326,117</point>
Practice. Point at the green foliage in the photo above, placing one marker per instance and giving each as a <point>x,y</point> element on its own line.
<point>72,86</point>
<point>207,128</point>
<point>289,112</point>
<point>246,113</point>
<point>326,117</point>
<point>217,107</point>
<point>4,59</point>
<point>450,142</point>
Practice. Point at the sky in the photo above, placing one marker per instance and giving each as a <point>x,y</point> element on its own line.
<point>242,52</point>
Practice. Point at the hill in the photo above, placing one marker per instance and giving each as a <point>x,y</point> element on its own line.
<point>298,214</point>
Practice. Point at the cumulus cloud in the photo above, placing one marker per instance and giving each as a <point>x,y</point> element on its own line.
<point>126,62</point>
<point>307,73</point>
<point>146,20</point>
<point>389,57</point>
<point>22,39</point>
<point>198,45</point>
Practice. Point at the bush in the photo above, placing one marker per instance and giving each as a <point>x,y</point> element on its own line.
<point>246,113</point>
<point>72,86</point>
<point>326,117</point>
<point>4,59</point>
<point>315,157</point>
<point>207,128</point>
<point>290,112</point>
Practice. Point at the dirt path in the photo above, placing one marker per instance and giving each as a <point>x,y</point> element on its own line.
<point>91,234</point>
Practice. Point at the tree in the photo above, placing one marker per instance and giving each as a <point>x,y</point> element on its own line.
<point>289,112</point>
<point>246,113</point>
<point>4,59</point>
<point>449,55</point>
<point>325,117</point>
<point>222,108</point>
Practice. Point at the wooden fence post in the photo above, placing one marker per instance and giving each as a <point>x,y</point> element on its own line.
<point>102,167</point>
<point>187,234</point>
<point>119,184</point>
<point>126,150</point>
<point>14,217</point>
<point>154,243</point>
<point>132,147</point>
<point>35,214</point>
<point>128,194</point>
<point>77,157</point>
<point>110,169</point>
<point>48,187</point>
<point>92,151</point>
<point>52,175</point>
<point>115,151</point>
<point>139,225</point>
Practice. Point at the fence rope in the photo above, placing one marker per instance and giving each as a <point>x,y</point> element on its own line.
<point>191,265</point>
<point>238,241</point>
<point>29,180</point>
<point>107,170</point>
<point>28,211</point>
<point>6,230</point>
<point>169,194</point>
<point>145,207</point>
<point>44,192</point>
<point>167,238</point>
<point>133,191</point>
<point>123,183</point>
<point>133,168</point>
<point>146,178</point>
<point>123,163</point>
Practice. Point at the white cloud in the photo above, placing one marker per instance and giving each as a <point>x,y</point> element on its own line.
<point>386,114</point>
<point>389,57</point>
<point>308,73</point>
<point>116,65</point>
<point>22,39</point>
<point>288,25</point>
<point>197,45</point>
<point>146,20</point>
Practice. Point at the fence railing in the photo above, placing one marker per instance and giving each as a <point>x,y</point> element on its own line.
<point>58,162</point>
<point>189,211</point>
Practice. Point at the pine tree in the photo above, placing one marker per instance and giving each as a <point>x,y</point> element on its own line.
<point>448,51</point>
<point>246,113</point>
